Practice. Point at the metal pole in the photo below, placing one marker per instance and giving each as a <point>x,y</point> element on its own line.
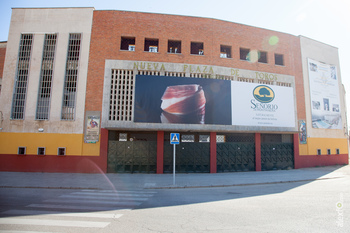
<point>174,165</point>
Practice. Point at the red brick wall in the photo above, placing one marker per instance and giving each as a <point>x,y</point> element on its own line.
<point>109,26</point>
<point>2,60</point>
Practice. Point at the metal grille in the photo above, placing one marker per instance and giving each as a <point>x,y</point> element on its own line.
<point>175,74</point>
<point>43,105</point>
<point>70,83</point>
<point>148,72</point>
<point>200,75</point>
<point>224,77</point>
<point>121,96</point>
<point>132,152</point>
<point>20,89</point>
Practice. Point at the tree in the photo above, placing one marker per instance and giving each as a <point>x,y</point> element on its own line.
<point>264,92</point>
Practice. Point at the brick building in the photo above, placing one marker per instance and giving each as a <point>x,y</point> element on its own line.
<point>103,90</point>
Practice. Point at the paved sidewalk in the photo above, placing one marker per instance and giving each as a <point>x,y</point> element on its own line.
<point>156,181</point>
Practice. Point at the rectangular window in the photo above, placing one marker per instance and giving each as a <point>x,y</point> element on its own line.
<point>41,150</point>
<point>187,138</point>
<point>61,151</point>
<point>70,82</point>
<point>337,151</point>
<point>319,152</point>
<point>204,138</point>
<point>20,89</point>
<point>244,54</point>
<point>127,43</point>
<point>21,150</point>
<point>279,59</point>
<point>174,46</point>
<point>225,51</point>
<point>151,45</point>
<point>197,48</point>
<point>329,151</point>
<point>262,57</point>
<point>44,94</point>
<point>121,95</point>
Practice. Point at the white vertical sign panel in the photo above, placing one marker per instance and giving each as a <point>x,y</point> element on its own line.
<point>324,95</point>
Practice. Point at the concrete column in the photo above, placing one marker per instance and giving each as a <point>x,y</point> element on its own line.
<point>296,150</point>
<point>257,152</point>
<point>160,152</point>
<point>213,152</point>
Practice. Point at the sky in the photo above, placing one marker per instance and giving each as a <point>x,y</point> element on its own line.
<point>327,21</point>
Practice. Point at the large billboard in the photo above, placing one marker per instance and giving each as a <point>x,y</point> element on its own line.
<point>262,105</point>
<point>180,100</point>
<point>324,95</point>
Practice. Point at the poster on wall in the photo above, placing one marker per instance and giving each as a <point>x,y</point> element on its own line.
<point>324,95</point>
<point>92,127</point>
<point>302,132</point>
<point>179,100</point>
<point>262,105</point>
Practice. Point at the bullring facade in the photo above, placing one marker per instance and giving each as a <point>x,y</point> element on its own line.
<point>103,90</point>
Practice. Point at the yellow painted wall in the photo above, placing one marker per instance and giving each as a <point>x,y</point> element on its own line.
<point>324,143</point>
<point>74,143</point>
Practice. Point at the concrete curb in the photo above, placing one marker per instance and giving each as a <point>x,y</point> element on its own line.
<point>179,186</point>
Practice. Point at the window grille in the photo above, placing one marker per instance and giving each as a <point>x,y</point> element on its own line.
<point>70,83</point>
<point>204,138</point>
<point>44,94</point>
<point>224,77</point>
<point>121,95</point>
<point>265,82</point>
<point>187,138</point>
<point>200,75</point>
<point>247,80</point>
<point>148,72</point>
<point>175,74</point>
<point>20,89</point>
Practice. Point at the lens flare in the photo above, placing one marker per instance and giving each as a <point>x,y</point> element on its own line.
<point>253,56</point>
<point>273,40</point>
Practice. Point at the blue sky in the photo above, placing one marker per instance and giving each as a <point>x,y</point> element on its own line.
<point>327,21</point>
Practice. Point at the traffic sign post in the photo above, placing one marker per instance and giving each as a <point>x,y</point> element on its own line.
<point>174,139</point>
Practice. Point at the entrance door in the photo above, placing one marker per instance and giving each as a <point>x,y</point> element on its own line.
<point>235,152</point>
<point>277,152</point>
<point>132,152</point>
<point>192,154</point>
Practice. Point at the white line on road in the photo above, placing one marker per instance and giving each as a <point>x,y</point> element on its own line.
<point>60,223</point>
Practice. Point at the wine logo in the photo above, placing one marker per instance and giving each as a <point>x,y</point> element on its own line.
<point>263,94</point>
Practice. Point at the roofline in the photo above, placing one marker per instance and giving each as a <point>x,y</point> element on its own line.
<point>201,17</point>
<point>301,36</point>
<point>51,7</point>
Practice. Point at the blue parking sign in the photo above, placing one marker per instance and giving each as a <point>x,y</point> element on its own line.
<point>175,138</point>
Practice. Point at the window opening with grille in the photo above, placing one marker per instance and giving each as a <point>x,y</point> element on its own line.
<point>44,94</point>
<point>121,95</point>
<point>70,83</point>
<point>20,89</point>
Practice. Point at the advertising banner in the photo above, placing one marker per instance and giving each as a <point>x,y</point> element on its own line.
<point>180,100</point>
<point>261,105</point>
<point>92,127</point>
<point>324,95</point>
<point>164,99</point>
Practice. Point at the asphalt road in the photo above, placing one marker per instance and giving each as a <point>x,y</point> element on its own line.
<point>317,206</point>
